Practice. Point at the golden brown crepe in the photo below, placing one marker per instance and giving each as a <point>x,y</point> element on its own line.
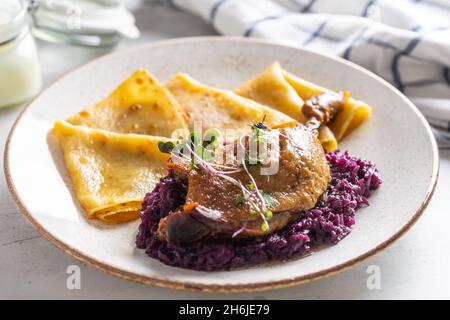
<point>286,92</point>
<point>110,172</point>
<point>271,89</point>
<point>327,138</point>
<point>354,114</point>
<point>138,105</point>
<point>221,109</point>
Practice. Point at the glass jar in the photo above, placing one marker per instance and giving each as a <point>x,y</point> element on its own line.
<point>94,23</point>
<point>20,75</point>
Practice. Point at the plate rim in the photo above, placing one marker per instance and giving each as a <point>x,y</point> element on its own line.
<point>239,287</point>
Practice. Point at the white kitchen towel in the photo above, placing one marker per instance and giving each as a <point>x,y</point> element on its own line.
<point>407,42</point>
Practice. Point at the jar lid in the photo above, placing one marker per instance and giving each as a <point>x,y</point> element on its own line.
<point>13,19</point>
<point>86,17</point>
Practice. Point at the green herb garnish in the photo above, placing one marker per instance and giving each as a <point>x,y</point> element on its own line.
<point>268,214</point>
<point>194,138</point>
<point>166,147</point>
<point>192,165</point>
<point>204,153</point>
<point>211,140</point>
<point>240,199</point>
<point>259,130</point>
<point>264,226</point>
<point>250,161</point>
<point>259,134</point>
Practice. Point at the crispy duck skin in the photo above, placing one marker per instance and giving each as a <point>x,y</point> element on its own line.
<point>211,209</point>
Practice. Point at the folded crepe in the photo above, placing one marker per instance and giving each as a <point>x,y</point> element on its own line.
<point>221,109</point>
<point>138,105</point>
<point>272,89</point>
<point>355,111</point>
<point>286,92</point>
<point>110,172</point>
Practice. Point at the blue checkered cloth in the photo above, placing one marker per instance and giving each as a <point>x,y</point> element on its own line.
<point>407,42</point>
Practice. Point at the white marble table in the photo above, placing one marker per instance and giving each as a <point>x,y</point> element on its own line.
<point>416,266</point>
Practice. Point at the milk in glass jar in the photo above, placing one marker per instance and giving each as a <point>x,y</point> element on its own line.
<point>20,76</point>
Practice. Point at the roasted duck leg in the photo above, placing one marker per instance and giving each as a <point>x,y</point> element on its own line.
<point>217,206</point>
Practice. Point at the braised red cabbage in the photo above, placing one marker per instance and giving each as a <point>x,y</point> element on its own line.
<point>352,182</point>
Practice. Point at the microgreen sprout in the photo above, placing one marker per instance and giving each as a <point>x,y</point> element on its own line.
<point>211,140</point>
<point>260,125</point>
<point>202,151</point>
<point>240,199</point>
<point>259,134</point>
<point>265,226</point>
<point>166,147</point>
<point>242,229</point>
<point>249,160</point>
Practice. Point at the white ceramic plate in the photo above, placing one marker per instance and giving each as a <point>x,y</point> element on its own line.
<point>396,138</point>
